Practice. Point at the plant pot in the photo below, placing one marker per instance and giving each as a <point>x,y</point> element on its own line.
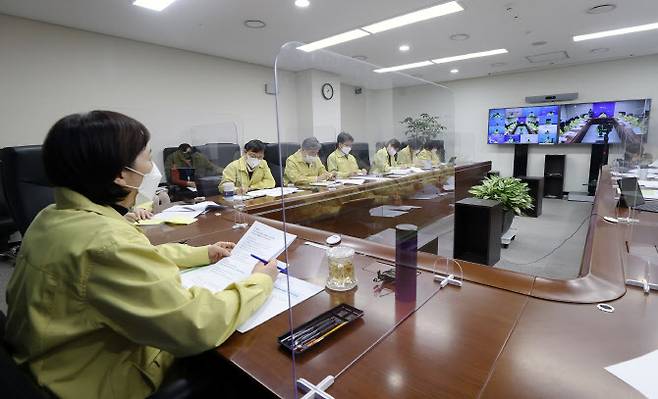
<point>508,218</point>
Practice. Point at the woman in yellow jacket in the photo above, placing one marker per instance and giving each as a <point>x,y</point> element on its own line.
<point>341,162</point>
<point>408,156</point>
<point>430,153</point>
<point>386,158</point>
<point>95,310</point>
<point>250,171</point>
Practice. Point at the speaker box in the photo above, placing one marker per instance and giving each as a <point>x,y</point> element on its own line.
<point>478,227</point>
<point>520,160</point>
<point>536,186</point>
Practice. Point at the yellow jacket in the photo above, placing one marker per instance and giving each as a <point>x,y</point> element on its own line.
<point>299,172</point>
<point>96,311</point>
<point>426,155</point>
<point>384,162</point>
<point>343,165</point>
<point>236,172</point>
<point>406,157</point>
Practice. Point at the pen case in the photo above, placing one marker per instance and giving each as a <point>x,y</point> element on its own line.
<point>321,328</point>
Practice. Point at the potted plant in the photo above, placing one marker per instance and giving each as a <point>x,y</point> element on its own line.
<point>425,127</point>
<point>511,192</point>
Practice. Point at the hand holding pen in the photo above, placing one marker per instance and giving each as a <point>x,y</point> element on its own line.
<point>267,264</point>
<point>270,268</point>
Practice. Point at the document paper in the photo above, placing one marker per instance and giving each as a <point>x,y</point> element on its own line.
<point>265,242</point>
<point>640,373</point>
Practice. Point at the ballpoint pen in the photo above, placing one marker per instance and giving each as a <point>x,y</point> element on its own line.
<point>263,261</point>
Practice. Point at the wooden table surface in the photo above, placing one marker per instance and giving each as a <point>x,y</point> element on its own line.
<point>502,334</point>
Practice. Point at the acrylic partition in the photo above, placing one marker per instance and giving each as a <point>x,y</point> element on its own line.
<point>635,173</point>
<point>365,184</point>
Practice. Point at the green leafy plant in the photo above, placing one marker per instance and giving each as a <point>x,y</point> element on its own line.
<point>425,127</point>
<point>511,192</point>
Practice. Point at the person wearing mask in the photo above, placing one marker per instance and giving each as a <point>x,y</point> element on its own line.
<point>94,309</point>
<point>386,158</point>
<point>341,162</point>
<point>304,166</point>
<point>186,164</point>
<point>430,153</point>
<point>250,171</point>
<point>408,156</point>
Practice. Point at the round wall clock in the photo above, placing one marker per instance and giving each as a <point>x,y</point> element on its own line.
<point>327,91</point>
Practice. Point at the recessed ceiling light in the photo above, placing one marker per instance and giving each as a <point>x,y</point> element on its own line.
<point>460,36</point>
<point>254,24</point>
<point>403,67</point>
<point>539,43</point>
<point>469,56</point>
<point>603,8</point>
<point>498,64</point>
<point>156,5</point>
<point>599,50</point>
<point>302,3</point>
<point>454,70</point>
<point>406,19</point>
<point>616,32</point>
<point>333,40</point>
<point>413,17</point>
<point>360,57</point>
<point>404,48</point>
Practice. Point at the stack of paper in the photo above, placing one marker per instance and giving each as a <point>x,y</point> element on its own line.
<point>324,183</point>
<point>272,192</point>
<point>640,373</point>
<point>648,183</point>
<point>267,243</point>
<point>182,214</point>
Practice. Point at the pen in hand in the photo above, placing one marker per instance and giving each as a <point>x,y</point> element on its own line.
<point>263,261</point>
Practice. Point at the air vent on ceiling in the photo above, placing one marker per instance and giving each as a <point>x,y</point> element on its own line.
<point>553,56</point>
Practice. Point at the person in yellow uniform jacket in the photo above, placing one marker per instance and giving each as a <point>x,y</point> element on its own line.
<point>304,166</point>
<point>341,162</point>
<point>430,153</point>
<point>386,158</point>
<point>251,171</point>
<point>408,156</point>
<point>95,310</point>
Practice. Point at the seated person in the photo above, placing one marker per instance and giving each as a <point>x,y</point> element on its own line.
<point>94,309</point>
<point>430,153</point>
<point>250,171</point>
<point>386,158</point>
<point>341,162</point>
<point>186,164</point>
<point>304,166</point>
<point>408,156</point>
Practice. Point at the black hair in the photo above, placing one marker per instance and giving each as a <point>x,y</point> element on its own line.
<point>86,152</point>
<point>415,143</point>
<point>254,146</point>
<point>344,137</point>
<point>433,144</point>
<point>395,143</point>
<point>184,147</point>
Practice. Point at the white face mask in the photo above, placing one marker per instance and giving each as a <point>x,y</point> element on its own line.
<point>346,150</point>
<point>416,152</point>
<point>391,151</point>
<point>146,190</point>
<point>252,162</point>
<point>310,159</point>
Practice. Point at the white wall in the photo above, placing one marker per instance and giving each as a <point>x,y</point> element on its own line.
<point>632,78</point>
<point>47,71</point>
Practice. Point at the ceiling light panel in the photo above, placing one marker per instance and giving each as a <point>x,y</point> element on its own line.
<point>616,32</point>
<point>413,17</point>
<point>156,5</point>
<point>403,67</point>
<point>470,56</point>
<point>333,40</point>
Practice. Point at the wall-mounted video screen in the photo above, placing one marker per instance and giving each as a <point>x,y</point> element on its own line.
<point>524,125</point>
<point>591,123</point>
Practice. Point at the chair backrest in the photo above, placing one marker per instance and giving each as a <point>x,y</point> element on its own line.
<point>325,150</point>
<point>7,225</point>
<point>276,174</point>
<point>272,153</point>
<point>27,189</point>
<point>361,152</point>
<point>14,382</point>
<point>221,154</point>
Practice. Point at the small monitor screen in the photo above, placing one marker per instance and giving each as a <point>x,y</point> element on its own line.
<point>592,123</point>
<point>525,125</point>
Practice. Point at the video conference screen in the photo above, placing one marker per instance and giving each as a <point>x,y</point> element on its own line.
<point>525,125</point>
<point>591,123</point>
<point>587,123</point>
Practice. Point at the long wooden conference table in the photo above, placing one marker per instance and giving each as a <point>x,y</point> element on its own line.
<point>501,335</point>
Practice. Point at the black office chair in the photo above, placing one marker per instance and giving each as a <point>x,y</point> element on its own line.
<point>14,381</point>
<point>26,187</point>
<point>325,150</point>
<point>361,152</point>
<point>276,160</point>
<point>7,225</point>
<point>221,154</point>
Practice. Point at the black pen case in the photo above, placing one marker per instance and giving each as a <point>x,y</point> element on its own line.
<point>319,326</point>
